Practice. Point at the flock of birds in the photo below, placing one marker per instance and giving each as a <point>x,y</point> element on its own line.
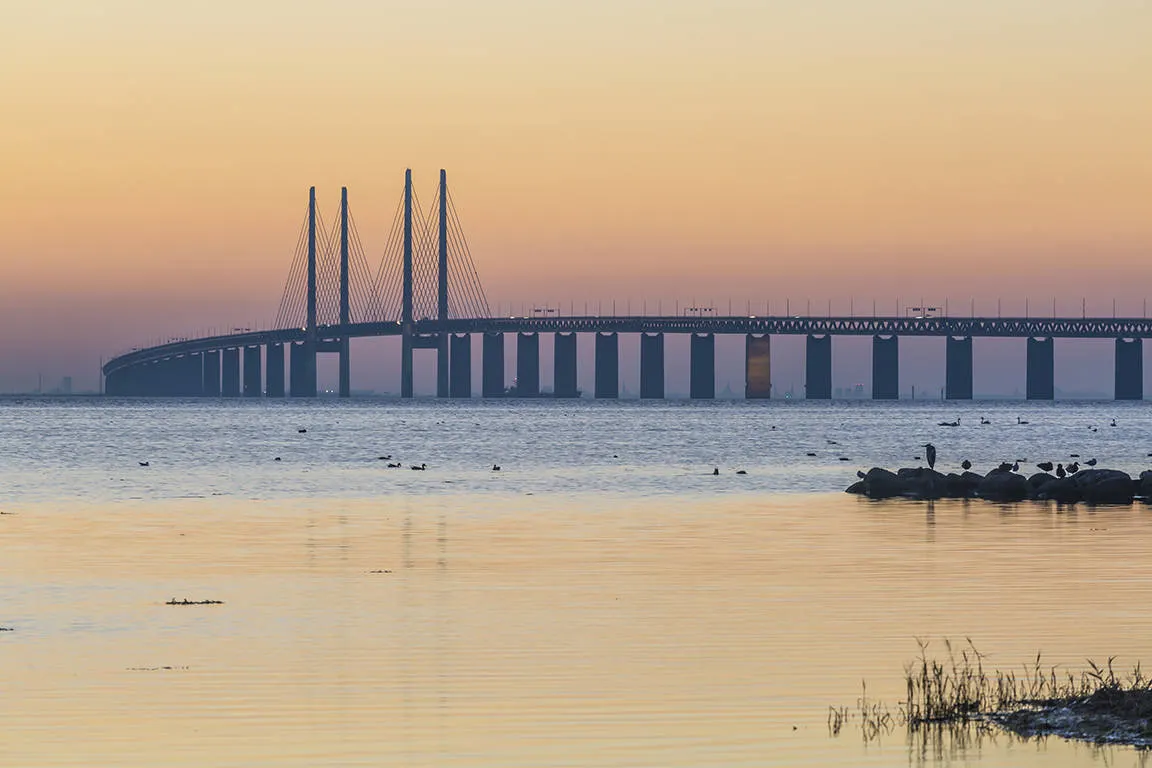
<point>1020,421</point>
<point>929,452</point>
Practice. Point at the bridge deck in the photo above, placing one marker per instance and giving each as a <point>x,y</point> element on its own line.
<point>1002,327</point>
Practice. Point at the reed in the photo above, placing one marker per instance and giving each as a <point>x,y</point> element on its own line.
<point>1095,703</point>
<point>959,688</point>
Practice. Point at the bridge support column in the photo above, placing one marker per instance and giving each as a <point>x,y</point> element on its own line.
<point>345,368</point>
<point>211,378</point>
<point>231,369</point>
<point>564,365</point>
<point>252,379</point>
<point>116,383</point>
<point>302,365</point>
<point>652,366</point>
<point>757,367</point>
<point>176,370</point>
<point>527,365</point>
<point>818,368</point>
<point>1041,384</point>
<point>702,379</point>
<point>406,385</point>
<point>607,365</point>
<point>148,379</point>
<point>958,367</point>
<point>191,375</point>
<point>165,379</point>
<point>1129,369</point>
<point>885,367</point>
<point>492,360</point>
<point>443,366</point>
<point>460,349</point>
<point>274,369</point>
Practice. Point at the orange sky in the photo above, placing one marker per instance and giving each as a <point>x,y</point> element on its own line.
<point>157,158</point>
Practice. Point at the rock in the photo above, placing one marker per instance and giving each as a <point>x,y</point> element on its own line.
<point>957,486</point>
<point>1062,489</point>
<point>1105,486</point>
<point>923,483</point>
<point>881,484</point>
<point>1037,482</point>
<point>1003,485</point>
<point>857,487</point>
<point>1144,484</point>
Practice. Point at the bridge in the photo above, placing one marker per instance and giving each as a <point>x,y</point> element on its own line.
<point>428,293</point>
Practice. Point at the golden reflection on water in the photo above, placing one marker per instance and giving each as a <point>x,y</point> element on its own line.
<point>523,632</point>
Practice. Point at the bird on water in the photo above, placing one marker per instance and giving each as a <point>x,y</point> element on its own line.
<point>495,467</point>
<point>1020,420</point>
<point>965,465</point>
<point>716,470</point>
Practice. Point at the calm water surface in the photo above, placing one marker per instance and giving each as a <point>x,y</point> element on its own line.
<point>604,600</point>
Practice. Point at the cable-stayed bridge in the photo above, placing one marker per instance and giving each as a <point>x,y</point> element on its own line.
<point>428,292</point>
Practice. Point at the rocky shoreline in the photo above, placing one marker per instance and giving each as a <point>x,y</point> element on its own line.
<point>1106,717</point>
<point>1092,486</point>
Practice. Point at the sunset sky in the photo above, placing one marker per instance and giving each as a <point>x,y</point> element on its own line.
<point>157,156</point>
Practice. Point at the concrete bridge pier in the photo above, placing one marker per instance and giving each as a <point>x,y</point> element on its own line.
<point>818,367</point>
<point>116,383</point>
<point>1129,369</point>
<point>443,366</point>
<point>145,379</point>
<point>527,365</point>
<point>607,365</point>
<point>163,378</point>
<point>191,375</point>
<point>958,367</point>
<point>211,374</point>
<point>652,366</point>
<point>406,381</point>
<point>702,365</point>
<point>230,366</point>
<point>885,367</point>
<point>564,365</point>
<point>252,379</point>
<point>345,367</point>
<point>757,367</point>
<point>1041,383</point>
<point>274,369</point>
<point>492,360</point>
<point>460,364</point>
<point>302,370</point>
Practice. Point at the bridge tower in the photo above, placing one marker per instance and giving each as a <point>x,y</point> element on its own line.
<point>406,300</point>
<point>442,378</point>
<point>345,304</point>
<point>303,379</point>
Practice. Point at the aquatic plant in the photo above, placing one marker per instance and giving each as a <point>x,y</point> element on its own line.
<point>1095,703</point>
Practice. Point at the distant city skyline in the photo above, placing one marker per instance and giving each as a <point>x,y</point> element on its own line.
<point>157,160</point>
